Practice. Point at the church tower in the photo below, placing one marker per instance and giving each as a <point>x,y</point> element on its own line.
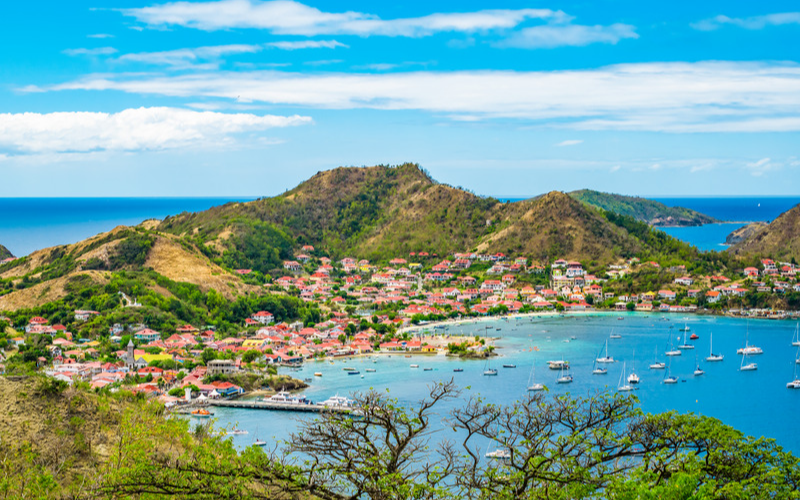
<point>130,362</point>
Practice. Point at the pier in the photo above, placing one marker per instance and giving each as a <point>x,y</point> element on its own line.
<point>265,405</point>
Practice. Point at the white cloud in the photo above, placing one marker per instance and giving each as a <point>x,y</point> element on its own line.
<point>615,168</point>
<point>572,35</point>
<point>294,18</point>
<point>760,167</point>
<point>570,142</point>
<point>99,51</point>
<point>750,23</point>
<point>130,130</point>
<point>100,35</point>
<point>307,44</point>
<point>664,97</point>
<point>189,58</point>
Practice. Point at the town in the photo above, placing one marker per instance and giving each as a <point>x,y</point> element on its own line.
<point>371,309</point>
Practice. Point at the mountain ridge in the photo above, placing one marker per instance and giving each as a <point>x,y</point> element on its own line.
<point>779,239</point>
<point>652,212</point>
<point>5,253</point>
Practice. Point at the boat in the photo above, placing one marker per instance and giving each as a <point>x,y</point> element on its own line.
<point>202,413</point>
<point>259,442</point>
<point>564,379</point>
<point>509,365</point>
<point>488,370</point>
<point>633,378</point>
<point>337,402</point>
<point>620,318</point>
<point>427,369</point>
<point>796,339</point>
<point>670,378</point>
<point>284,397</point>
<point>749,349</point>
<point>657,365</point>
<point>606,358</point>
<point>558,365</point>
<point>711,356</point>
<point>621,387</point>
<point>747,367</point>
<point>349,369</point>
<point>694,336</point>
<point>671,351</point>
<point>685,328</point>
<point>599,370</point>
<point>697,371</point>
<point>238,432</point>
<point>686,344</point>
<point>614,335</point>
<point>498,454</point>
<point>532,385</point>
<point>353,373</point>
<point>317,374</point>
<point>795,383</point>
<point>458,370</point>
<point>414,366</point>
<point>370,370</point>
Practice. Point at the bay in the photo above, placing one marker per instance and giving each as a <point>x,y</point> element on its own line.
<point>757,403</point>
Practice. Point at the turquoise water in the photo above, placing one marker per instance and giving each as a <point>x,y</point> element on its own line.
<point>756,403</point>
<point>707,237</point>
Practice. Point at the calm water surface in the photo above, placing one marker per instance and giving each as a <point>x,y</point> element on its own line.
<point>757,403</point>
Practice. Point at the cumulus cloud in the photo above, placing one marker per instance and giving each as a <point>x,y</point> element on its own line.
<point>307,44</point>
<point>138,129</point>
<point>99,51</point>
<point>198,57</point>
<point>575,35</point>
<point>750,23</point>
<point>570,142</point>
<point>666,97</point>
<point>293,18</point>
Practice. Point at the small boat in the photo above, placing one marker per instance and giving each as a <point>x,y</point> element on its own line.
<point>686,344</point>
<point>671,351</point>
<point>202,413</point>
<point>349,369</point>
<point>370,370</point>
<point>458,370</point>
<point>620,318</point>
<point>353,373</point>
<point>621,387</point>
<point>508,365</point>
<point>532,384</point>
<point>599,370</point>
<point>711,356</point>
<point>796,339</point>
<point>657,365</point>
<point>558,365</point>
<point>795,383</point>
<point>490,372</point>
<point>685,328</point>
<point>697,371</point>
<point>670,378</point>
<point>238,432</point>
<point>606,358</point>
<point>615,336</point>
<point>337,402</point>
<point>694,336</point>
<point>427,369</point>
<point>747,367</point>
<point>414,366</point>
<point>317,374</point>
<point>498,454</point>
<point>564,379</point>
<point>633,378</point>
<point>259,442</point>
<point>749,349</point>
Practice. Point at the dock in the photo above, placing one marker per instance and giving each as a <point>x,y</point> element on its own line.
<point>265,405</point>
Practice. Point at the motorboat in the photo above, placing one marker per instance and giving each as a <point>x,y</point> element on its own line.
<point>458,370</point>
<point>508,365</point>
<point>427,369</point>
<point>238,432</point>
<point>353,372</point>
<point>370,370</point>
<point>202,413</point>
<point>558,365</point>
<point>694,336</point>
<point>414,366</point>
<point>498,454</point>
<point>349,369</point>
<point>284,397</point>
<point>337,402</point>
<point>317,374</point>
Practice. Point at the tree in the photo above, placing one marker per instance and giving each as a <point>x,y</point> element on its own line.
<point>209,355</point>
<point>250,356</point>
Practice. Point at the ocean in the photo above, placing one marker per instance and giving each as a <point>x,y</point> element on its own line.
<point>755,402</point>
<point>28,224</point>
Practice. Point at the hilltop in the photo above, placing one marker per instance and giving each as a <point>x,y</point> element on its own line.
<point>652,212</point>
<point>5,253</point>
<point>382,212</point>
<point>780,239</point>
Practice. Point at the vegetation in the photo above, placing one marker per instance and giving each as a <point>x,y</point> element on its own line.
<point>779,240</point>
<point>5,253</point>
<point>651,212</point>
<point>602,446</point>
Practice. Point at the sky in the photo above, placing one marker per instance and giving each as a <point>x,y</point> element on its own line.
<point>504,97</point>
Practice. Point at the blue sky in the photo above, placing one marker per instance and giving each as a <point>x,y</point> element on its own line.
<point>507,98</point>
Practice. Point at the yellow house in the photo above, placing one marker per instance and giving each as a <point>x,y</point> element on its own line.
<point>149,358</point>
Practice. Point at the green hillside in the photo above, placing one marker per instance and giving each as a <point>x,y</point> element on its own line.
<point>780,239</point>
<point>642,209</point>
<point>5,253</point>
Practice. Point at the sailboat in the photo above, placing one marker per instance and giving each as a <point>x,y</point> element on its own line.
<point>633,378</point>
<point>626,387</point>
<point>257,441</point>
<point>697,371</point>
<point>686,344</point>
<point>532,385</point>
<point>747,367</point>
<point>614,335</point>
<point>795,383</point>
<point>606,358</point>
<point>796,339</point>
<point>564,379</point>
<point>670,378</point>
<point>685,328</point>
<point>748,349</point>
<point>671,351</point>
<point>489,371</point>
<point>657,365</point>
<point>711,356</point>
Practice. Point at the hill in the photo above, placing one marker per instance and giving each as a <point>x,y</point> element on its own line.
<point>382,212</point>
<point>5,253</point>
<point>642,209</point>
<point>744,232</point>
<point>780,239</point>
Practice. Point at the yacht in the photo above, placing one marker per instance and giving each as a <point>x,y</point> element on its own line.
<point>686,344</point>
<point>656,364</point>
<point>284,397</point>
<point>238,432</point>
<point>796,339</point>
<point>747,367</point>
<point>532,384</point>
<point>794,384</point>
<point>489,371</point>
<point>259,442</point>
<point>698,371</point>
<point>711,356</point>
<point>633,378</point>
<point>626,387</point>
<point>414,366</point>
<point>370,370</point>
<point>558,365</point>
<point>337,402</point>
<point>498,454</point>
<point>748,349</point>
<point>599,370</point>
<point>670,378</point>
<point>671,351</point>
<point>606,358</point>
<point>509,365</point>
<point>615,336</point>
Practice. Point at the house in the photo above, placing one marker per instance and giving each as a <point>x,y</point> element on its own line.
<point>263,317</point>
<point>81,315</point>
<point>750,272</point>
<point>666,294</point>
<point>685,281</point>
<point>292,266</point>
<point>147,335</point>
<point>713,296</point>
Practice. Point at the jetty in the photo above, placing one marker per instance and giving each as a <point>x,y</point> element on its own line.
<point>273,406</point>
